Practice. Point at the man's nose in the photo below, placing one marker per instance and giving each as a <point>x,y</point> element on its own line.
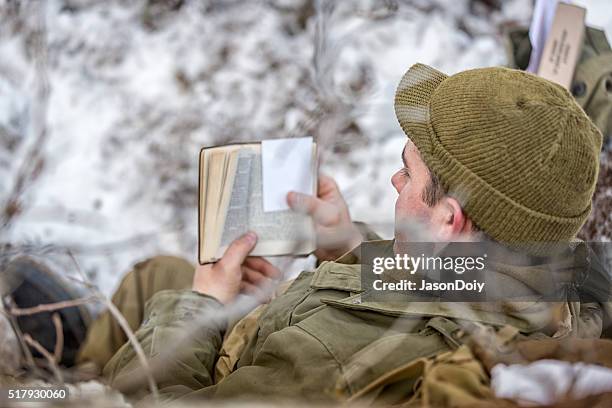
<point>395,181</point>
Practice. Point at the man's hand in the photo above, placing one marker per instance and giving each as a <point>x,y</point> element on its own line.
<point>335,231</point>
<point>236,273</point>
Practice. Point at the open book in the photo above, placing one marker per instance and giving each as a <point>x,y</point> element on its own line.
<point>231,203</point>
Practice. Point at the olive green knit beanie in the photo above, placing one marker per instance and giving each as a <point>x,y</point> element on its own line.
<point>516,150</point>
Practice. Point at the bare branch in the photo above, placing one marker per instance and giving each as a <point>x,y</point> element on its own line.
<point>124,326</point>
<point>26,351</point>
<point>59,338</point>
<point>50,307</point>
<point>33,161</point>
<point>52,365</point>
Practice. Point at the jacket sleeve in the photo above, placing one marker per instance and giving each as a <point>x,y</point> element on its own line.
<point>182,351</point>
<point>180,336</point>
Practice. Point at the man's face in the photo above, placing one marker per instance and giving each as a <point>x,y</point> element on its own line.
<point>410,182</point>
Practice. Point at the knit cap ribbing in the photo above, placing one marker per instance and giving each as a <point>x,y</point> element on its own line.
<point>516,150</point>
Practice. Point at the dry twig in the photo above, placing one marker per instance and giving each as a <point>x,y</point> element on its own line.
<point>52,364</point>
<point>124,326</point>
<point>33,160</point>
<point>14,311</point>
<point>26,351</point>
<point>50,307</point>
<point>59,337</point>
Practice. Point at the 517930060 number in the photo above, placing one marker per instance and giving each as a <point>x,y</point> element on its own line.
<point>24,394</point>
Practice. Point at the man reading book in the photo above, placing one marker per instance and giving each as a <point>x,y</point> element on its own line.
<point>492,152</point>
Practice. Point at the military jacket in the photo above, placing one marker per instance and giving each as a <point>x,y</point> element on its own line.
<point>319,341</point>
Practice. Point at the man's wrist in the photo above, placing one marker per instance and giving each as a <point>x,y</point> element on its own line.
<point>208,296</point>
<point>356,239</point>
<point>352,237</point>
<point>219,296</point>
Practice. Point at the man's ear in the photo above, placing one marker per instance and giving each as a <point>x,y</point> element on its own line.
<point>452,222</point>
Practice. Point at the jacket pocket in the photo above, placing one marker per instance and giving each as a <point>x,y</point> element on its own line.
<point>383,356</point>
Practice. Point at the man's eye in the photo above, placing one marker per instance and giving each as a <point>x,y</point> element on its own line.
<point>405,172</point>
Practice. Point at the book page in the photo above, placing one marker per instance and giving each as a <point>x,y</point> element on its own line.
<point>202,188</point>
<point>284,225</point>
<point>236,217</point>
<point>215,164</point>
<point>279,232</point>
<point>217,171</point>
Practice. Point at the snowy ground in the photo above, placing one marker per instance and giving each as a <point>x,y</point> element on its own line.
<point>135,88</point>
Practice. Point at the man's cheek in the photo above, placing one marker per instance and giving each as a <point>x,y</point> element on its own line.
<point>402,207</point>
<point>404,219</point>
<point>409,208</point>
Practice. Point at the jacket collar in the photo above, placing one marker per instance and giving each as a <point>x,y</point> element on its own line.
<point>533,276</point>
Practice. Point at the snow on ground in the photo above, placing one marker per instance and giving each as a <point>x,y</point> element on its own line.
<point>138,87</point>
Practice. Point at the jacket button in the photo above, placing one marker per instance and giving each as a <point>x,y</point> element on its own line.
<point>579,89</point>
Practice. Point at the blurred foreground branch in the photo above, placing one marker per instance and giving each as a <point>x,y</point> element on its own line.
<point>32,162</point>
<point>124,326</point>
<point>50,360</point>
<point>49,307</point>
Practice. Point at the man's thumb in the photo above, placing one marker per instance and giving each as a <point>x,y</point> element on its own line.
<point>240,248</point>
<point>301,202</point>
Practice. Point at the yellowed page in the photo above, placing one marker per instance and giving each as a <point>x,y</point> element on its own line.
<point>214,186</point>
<point>226,194</point>
<point>201,202</point>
